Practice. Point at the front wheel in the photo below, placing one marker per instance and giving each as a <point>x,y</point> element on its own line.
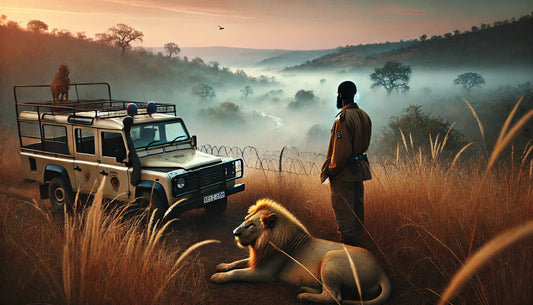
<point>60,194</point>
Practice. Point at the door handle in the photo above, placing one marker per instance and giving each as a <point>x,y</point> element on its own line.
<point>103,173</point>
<point>77,168</point>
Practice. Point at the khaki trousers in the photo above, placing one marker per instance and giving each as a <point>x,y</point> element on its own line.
<point>347,198</point>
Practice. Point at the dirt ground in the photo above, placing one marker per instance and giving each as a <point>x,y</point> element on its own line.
<point>220,227</point>
<point>198,226</point>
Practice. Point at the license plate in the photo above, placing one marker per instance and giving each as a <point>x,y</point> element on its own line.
<point>214,197</point>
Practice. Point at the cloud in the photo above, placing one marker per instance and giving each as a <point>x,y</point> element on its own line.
<point>47,11</point>
<point>182,7</point>
<point>400,11</point>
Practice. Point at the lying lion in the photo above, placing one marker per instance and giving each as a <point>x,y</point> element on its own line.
<point>272,234</point>
<point>60,84</point>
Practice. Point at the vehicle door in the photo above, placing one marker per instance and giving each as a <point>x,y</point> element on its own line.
<point>113,165</point>
<point>85,160</point>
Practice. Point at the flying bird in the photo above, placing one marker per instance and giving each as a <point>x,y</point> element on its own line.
<point>220,27</point>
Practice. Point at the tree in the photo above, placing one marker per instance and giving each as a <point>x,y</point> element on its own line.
<point>213,64</point>
<point>227,112</point>
<point>247,91</point>
<point>120,35</point>
<point>204,91</point>
<point>37,26</point>
<point>302,98</point>
<point>172,48</point>
<point>12,24</point>
<point>198,61</point>
<point>419,126</point>
<point>469,80</point>
<point>240,73</point>
<point>423,38</point>
<point>392,76</point>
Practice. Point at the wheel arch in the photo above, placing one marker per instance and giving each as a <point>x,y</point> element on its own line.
<point>148,185</point>
<point>51,171</point>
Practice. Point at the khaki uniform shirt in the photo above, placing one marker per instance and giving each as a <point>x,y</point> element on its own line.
<point>350,136</point>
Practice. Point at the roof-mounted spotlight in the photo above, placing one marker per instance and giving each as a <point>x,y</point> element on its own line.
<point>131,109</point>
<point>151,107</point>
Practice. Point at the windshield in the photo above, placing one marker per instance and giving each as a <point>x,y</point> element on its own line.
<point>159,133</point>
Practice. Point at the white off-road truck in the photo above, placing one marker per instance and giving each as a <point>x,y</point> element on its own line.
<point>143,151</point>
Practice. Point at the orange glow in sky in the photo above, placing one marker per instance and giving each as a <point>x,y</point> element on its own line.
<point>273,24</point>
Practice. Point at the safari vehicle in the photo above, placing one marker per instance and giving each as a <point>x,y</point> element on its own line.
<point>143,151</point>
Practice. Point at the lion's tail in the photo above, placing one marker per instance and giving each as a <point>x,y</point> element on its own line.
<point>386,290</point>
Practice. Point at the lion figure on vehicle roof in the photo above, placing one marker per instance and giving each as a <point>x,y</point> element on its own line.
<point>272,234</point>
<point>60,84</point>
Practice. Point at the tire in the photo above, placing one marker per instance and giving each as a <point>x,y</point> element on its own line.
<point>60,194</point>
<point>217,207</point>
<point>147,199</point>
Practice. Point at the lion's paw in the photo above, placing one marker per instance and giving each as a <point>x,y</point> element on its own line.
<point>222,267</point>
<point>218,278</point>
<point>303,296</point>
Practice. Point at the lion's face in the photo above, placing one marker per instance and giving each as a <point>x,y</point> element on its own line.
<point>253,227</point>
<point>247,232</point>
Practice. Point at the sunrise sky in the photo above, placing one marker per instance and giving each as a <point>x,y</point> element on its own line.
<point>267,24</point>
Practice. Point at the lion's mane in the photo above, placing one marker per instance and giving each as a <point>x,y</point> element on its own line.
<point>287,233</point>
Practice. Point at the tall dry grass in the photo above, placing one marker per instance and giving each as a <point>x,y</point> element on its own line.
<point>426,217</point>
<point>426,220</point>
<point>96,255</point>
<point>9,162</point>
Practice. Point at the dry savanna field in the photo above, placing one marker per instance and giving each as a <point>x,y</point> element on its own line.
<point>426,220</point>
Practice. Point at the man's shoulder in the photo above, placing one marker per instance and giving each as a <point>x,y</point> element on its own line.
<point>357,111</point>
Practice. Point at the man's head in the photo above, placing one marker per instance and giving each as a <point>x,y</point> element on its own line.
<point>346,93</point>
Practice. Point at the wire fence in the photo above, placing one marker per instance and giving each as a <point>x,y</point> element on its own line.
<point>288,160</point>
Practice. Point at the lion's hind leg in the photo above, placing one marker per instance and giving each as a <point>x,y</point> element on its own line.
<point>328,295</point>
<point>331,285</point>
<point>310,290</point>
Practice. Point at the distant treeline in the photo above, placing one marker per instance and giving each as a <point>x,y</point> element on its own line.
<point>30,57</point>
<point>507,42</point>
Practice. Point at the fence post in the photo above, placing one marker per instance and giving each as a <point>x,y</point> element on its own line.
<point>280,162</point>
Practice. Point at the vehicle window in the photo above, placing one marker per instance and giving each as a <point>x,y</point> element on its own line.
<point>112,144</point>
<point>55,138</point>
<point>30,135</point>
<point>158,133</point>
<point>146,135</point>
<point>84,140</point>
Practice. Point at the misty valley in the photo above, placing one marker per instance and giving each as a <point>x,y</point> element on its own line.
<point>451,160</point>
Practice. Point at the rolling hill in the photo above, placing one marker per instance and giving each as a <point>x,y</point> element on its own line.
<point>245,58</point>
<point>505,44</point>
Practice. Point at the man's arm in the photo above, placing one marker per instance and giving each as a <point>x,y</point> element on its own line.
<point>342,148</point>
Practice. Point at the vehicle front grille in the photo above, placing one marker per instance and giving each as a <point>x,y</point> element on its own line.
<point>211,176</point>
<point>200,179</point>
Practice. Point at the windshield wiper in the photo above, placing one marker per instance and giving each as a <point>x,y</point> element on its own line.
<point>177,138</point>
<point>150,144</point>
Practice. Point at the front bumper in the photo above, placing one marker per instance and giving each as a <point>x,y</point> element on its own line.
<point>197,202</point>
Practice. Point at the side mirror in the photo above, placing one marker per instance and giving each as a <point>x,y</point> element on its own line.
<point>194,142</point>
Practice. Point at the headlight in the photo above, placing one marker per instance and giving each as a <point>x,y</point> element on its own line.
<point>238,168</point>
<point>180,183</point>
<point>233,170</point>
<point>229,171</point>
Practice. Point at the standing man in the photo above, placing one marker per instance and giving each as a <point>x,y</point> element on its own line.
<point>346,165</point>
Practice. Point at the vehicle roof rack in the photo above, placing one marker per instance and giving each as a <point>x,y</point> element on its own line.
<point>102,108</point>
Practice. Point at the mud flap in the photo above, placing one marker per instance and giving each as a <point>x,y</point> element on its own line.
<point>43,190</point>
